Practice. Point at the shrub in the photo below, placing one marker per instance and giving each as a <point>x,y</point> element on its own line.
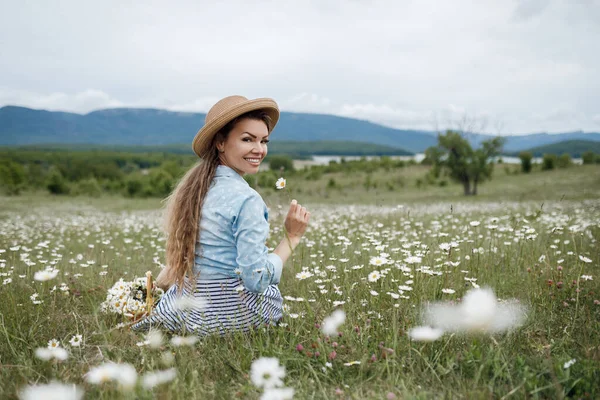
<point>315,173</point>
<point>12,177</point>
<point>526,158</point>
<point>133,186</point>
<point>588,157</point>
<point>564,161</point>
<point>279,162</point>
<point>88,187</point>
<point>266,179</point>
<point>56,183</point>
<point>548,162</point>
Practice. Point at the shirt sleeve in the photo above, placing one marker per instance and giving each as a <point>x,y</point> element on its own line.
<point>259,269</point>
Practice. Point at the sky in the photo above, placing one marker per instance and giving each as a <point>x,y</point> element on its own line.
<point>500,66</point>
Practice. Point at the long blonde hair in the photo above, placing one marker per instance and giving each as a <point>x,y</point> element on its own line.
<point>183,210</point>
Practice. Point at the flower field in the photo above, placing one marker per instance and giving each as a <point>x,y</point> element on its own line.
<point>373,301</point>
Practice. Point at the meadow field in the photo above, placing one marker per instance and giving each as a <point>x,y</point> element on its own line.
<point>380,252</point>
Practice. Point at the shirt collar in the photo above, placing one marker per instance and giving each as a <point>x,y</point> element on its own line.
<point>223,170</point>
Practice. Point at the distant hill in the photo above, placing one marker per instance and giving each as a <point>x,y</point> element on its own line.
<point>299,149</point>
<point>145,127</point>
<point>126,126</point>
<point>574,147</point>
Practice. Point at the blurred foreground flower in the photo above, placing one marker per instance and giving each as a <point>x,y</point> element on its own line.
<point>184,340</point>
<point>331,323</point>
<point>425,334</point>
<point>266,373</point>
<point>479,311</point>
<point>45,275</point>
<point>278,394</point>
<point>152,379</point>
<point>124,374</point>
<point>51,391</point>
<point>280,184</point>
<point>48,353</point>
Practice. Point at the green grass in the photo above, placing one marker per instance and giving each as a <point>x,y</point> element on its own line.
<point>517,257</point>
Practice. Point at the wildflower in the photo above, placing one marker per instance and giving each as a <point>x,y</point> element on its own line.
<point>448,291</point>
<point>479,311</point>
<point>474,223</point>
<point>184,340</point>
<point>425,334</point>
<point>585,259</point>
<point>280,184</point>
<point>48,353</point>
<point>331,323</point>
<point>53,344</point>
<point>587,277</point>
<point>278,394</point>
<point>377,261</point>
<point>154,338</point>
<point>569,363</point>
<point>45,275</point>
<point>152,379</point>
<point>51,391</point>
<point>374,293</point>
<point>76,340</point>
<point>303,275</point>
<point>124,374</point>
<point>445,246</point>
<point>413,260</point>
<point>374,276</point>
<point>266,372</point>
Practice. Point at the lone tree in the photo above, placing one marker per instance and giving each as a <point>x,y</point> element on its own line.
<point>464,164</point>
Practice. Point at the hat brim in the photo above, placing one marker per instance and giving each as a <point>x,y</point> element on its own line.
<point>203,140</point>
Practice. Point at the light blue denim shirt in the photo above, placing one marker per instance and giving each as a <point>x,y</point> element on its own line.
<point>233,230</point>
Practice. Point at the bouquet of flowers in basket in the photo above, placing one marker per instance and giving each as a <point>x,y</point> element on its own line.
<point>132,299</point>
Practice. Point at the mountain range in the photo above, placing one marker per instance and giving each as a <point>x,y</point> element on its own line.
<point>144,127</point>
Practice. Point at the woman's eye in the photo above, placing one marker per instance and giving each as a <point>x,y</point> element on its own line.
<point>266,141</point>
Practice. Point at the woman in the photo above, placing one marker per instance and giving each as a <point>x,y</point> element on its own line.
<point>219,274</point>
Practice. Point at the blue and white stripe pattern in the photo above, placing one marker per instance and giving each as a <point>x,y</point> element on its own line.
<point>227,306</point>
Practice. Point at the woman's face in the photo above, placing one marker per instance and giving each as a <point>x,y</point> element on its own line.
<point>245,146</point>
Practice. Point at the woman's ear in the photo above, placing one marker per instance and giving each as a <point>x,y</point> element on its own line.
<point>221,147</point>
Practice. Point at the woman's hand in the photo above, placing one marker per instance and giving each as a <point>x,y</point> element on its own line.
<point>296,221</point>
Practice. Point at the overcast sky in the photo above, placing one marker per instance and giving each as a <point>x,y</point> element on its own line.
<point>513,66</point>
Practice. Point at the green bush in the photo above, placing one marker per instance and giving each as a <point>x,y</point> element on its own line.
<point>161,182</point>
<point>87,187</point>
<point>267,179</point>
<point>314,173</point>
<point>12,177</point>
<point>588,157</point>
<point>281,162</point>
<point>548,162</point>
<point>526,158</point>
<point>134,186</point>
<point>56,183</point>
<point>564,161</point>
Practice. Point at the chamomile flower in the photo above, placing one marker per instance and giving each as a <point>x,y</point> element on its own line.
<point>266,372</point>
<point>280,184</point>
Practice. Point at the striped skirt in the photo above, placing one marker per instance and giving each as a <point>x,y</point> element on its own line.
<point>215,307</point>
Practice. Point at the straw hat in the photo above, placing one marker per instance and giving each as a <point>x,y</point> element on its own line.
<point>224,111</point>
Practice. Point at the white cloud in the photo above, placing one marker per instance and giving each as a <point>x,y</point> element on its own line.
<point>81,102</point>
<point>397,63</point>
